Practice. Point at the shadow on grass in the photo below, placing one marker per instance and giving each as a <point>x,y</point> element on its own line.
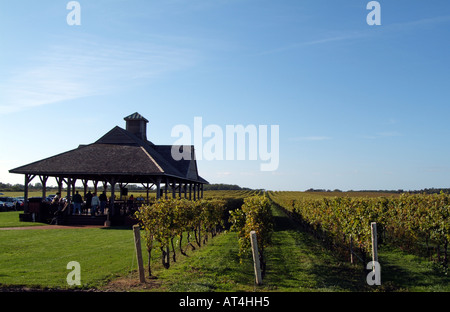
<point>303,257</point>
<point>213,267</point>
<point>402,271</point>
<point>299,262</point>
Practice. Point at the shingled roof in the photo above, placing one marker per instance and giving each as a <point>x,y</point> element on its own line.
<point>135,116</point>
<point>121,154</point>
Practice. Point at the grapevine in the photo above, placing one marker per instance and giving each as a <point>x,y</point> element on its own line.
<point>407,221</point>
<point>254,215</point>
<point>170,219</point>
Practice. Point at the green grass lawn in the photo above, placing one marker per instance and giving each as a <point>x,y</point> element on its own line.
<point>11,219</point>
<point>215,267</point>
<point>38,258</point>
<point>401,271</point>
<point>295,262</point>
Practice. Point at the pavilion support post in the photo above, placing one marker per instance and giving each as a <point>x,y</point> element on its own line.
<point>28,178</point>
<point>44,185</point>
<point>195,191</point>
<point>25,193</point>
<point>105,185</point>
<point>173,189</point>
<point>95,186</point>
<point>190,191</point>
<point>85,186</point>
<point>148,186</point>
<point>166,186</point>
<point>121,187</point>
<point>185,190</point>
<point>69,184</point>
<point>201,188</point>
<point>147,189</point>
<point>74,181</point>
<point>111,203</point>
<point>59,181</point>
<point>158,188</point>
<point>113,198</point>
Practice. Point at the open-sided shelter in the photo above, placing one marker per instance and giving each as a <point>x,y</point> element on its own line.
<point>120,157</point>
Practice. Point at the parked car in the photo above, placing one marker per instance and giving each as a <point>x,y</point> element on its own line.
<point>19,203</point>
<point>6,203</point>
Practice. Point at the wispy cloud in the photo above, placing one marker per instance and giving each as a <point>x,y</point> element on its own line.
<point>379,135</point>
<point>326,39</point>
<point>83,68</point>
<point>223,173</point>
<point>408,25</point>
<point>389,134</point>
<point>347,35</point>
<point>310,138</point>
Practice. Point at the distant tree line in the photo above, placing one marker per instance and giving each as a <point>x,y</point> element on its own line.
<point>400,191</point>
<point>221,186</point>
<point>431,191</point>
<point>322,190</point>
<point>8,187</point>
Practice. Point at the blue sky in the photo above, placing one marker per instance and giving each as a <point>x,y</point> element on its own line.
<point>358,106</point>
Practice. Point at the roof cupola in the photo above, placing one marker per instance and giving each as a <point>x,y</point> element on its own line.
<point>137,125</point>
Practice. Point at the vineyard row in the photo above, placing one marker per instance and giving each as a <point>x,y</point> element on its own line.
<point>407,221</point>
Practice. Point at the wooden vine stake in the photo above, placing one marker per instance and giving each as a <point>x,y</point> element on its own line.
<point>374,278</point>
<point>255,253</point>
<point>137,243</point>
<point>351,250</point>
<point>373,227</point>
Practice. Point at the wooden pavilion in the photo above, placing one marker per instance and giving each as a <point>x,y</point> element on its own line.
<point>119,157</point>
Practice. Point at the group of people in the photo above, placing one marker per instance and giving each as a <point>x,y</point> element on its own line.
<point>93,202</point>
